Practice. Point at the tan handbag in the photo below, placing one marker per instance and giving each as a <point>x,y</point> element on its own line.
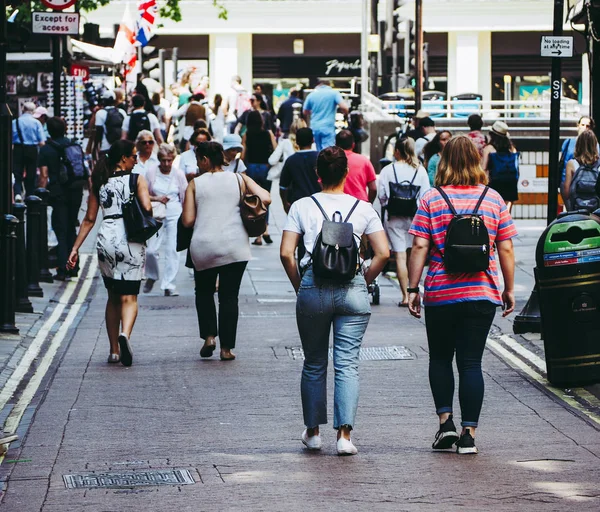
<point>252,210</point>
<point>159,210</point>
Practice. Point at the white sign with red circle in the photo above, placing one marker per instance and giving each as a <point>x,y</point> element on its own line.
<point>59,4</point>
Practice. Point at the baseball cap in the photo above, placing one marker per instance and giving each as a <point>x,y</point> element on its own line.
<point>231,141</point>
<point>39,112</point>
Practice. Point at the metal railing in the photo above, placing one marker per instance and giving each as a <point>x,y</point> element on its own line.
<point>495,109</point>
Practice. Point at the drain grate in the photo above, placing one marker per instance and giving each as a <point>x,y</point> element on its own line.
<point>128,479</point>
<point>397,352</point>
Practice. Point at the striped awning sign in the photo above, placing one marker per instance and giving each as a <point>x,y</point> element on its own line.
<point>147,15</point>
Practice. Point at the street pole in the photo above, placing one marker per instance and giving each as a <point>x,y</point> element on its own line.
<point>595,63</point>
<point>556,88</point>
<point>529,319</point>
<point>7,256</point>
<point>56,72</point>
<point>374,30</point>
<point>175,60</point>
<point>364,53</point>
<point>418,54</point>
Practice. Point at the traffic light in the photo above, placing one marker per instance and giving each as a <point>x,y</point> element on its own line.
<point>410,50</point>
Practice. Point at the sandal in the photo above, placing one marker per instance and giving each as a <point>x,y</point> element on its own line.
<point>114,358</point>
<point>267,239</point>
<point>208,348</point>
<point>257,241</point>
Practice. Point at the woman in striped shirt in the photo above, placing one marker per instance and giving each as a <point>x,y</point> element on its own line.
<point>460,306</point>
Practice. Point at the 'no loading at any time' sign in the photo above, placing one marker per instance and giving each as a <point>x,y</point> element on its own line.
<point>55,23</point>
<point>557,46</point>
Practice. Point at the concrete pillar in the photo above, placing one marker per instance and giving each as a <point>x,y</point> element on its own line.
<point>585,84</point>
<point>470,63</point>
<point>229,54</point>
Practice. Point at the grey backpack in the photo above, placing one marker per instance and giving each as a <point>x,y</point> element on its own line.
<point>582,192</point>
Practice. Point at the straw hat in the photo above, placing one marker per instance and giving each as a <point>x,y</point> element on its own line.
<point>500,128</point>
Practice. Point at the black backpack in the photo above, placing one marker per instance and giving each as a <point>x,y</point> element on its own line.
<point>582,192</point>
<point>113,125</point>
<point>73,169</point>
<point>467,242</point>
<point>138,121</point>
<point>403,197</point>
<point>335,254</point>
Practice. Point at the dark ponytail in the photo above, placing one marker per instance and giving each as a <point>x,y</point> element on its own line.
<point>107,164</point>
<point>211,150</point>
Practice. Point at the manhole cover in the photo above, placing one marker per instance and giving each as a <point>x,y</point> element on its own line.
<point>128,479</point>
<point>397,352</point>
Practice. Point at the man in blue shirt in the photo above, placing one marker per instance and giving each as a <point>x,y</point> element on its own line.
<point>285,114</point>
<point>27,135</point>
<point>319,111</point>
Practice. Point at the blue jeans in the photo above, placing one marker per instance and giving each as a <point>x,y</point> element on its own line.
<point>321,304</point>
<point>463,328</point>
<point>324,139</point>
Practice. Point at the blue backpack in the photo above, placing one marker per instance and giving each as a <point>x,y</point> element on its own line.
<point>504,166</point>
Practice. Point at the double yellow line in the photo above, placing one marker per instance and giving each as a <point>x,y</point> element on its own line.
<point>537,372</point>
<point>89,265</point>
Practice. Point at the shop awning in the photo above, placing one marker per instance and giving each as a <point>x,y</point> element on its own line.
<point>99,53</point>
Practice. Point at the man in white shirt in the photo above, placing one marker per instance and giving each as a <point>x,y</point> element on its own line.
<point>109,123</point>
<point>141,120</point>
<point>428,126</point>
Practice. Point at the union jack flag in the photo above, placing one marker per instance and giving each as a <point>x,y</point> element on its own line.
<point>147,14</point>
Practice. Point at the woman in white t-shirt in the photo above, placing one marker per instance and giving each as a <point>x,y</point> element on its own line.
<point>285,148</point>
<point>324,302</point>
<point>166,185</point>
<point>405,168</point>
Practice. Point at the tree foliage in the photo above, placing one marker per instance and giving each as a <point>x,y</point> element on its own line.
<point>168,9</point>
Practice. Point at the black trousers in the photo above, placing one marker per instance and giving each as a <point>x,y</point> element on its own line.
<point>65,210</point>
<point>25,168</point>
<point>230,278</point>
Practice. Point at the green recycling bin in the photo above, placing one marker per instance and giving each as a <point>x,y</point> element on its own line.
<point>567,278</point>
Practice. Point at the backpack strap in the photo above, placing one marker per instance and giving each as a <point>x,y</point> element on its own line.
<point>352,210</point>
<point>395,176</point>
<point>447,199</point>
<point>480,200</point>
<point>320,207</point>
<point>414,175</point>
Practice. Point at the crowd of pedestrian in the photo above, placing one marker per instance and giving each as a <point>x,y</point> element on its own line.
<point>194,179</point>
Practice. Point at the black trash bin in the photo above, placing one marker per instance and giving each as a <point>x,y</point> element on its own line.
<point>568,284</point>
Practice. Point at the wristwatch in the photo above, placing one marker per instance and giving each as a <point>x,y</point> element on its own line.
<point>413,290</point>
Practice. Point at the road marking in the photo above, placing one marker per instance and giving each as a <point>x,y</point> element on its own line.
<point>14,418</point>
<point>515,361</point>
<point>34,348</point>
<point>522,351</point>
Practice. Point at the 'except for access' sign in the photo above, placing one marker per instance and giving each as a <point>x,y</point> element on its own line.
<point>55,23</point>
<point>557,46</point>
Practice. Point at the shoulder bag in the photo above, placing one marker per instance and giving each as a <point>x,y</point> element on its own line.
<point>139,225</point>
<point>252,210</point>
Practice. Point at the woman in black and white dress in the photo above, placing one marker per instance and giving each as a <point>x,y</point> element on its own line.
<point>121,262</point>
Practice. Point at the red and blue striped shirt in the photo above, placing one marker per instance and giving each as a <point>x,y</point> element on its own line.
<point>431,222</point>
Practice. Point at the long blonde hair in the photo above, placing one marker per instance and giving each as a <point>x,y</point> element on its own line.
<point>586,148</point>
<point>460,164</point>
<point>406,152</point>
<point>296,125</point>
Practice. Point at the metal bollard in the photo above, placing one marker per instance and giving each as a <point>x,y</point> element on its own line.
<point>34,206</point>
<point>7,292</point>
<point>23,303</point>
<point>45,274</point>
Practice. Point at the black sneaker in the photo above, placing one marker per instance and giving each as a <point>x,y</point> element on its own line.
<point>446,436</point>
<point>466,444</point>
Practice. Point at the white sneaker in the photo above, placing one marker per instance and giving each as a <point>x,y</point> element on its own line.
<point>172,293</point>
<point>312,443</point>
<point>18,198</point>
<point>346,447</point>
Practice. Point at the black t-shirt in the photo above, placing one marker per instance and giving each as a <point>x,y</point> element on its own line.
<point>299,175</point>
<point>49,157</point>
<point>267,119</point>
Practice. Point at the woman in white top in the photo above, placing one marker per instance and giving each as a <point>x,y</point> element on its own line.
<point>167,187</point>
<point>145,145</point>
<point>405,168</point>
<point>285,148</point>
<point>325,302</point>
<point>219,246</point>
